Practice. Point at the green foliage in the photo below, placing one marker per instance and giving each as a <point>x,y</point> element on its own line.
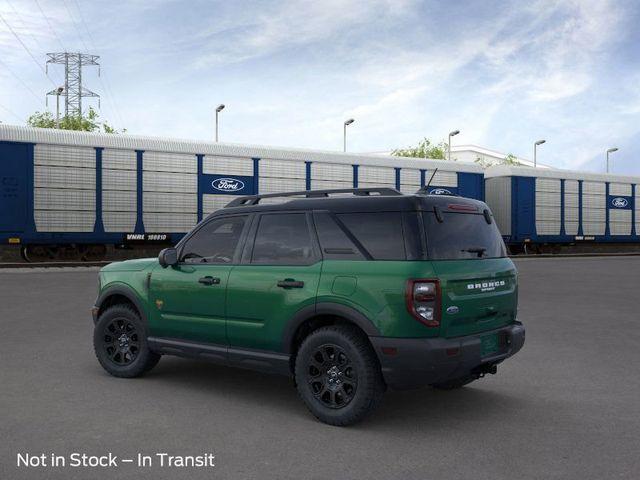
<point>425,149</point>
<point>86,123</point>
<point>510,159</point>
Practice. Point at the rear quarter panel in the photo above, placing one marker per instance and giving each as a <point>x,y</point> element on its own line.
<point>377,290</point>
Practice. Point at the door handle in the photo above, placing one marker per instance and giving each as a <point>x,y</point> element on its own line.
<point>208,280</point>
<point>290,283</point>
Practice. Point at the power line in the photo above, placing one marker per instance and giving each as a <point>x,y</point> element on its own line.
<point>106,84</point>
<point>84,23</point>
<point>50,26</point>
<point>75,26</point>
<point>24,24</point>
<point>11,112</point>
<point>27,49</point>
<point>21,81</point>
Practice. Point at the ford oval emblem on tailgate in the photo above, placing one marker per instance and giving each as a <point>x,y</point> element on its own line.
<point>452,310</point>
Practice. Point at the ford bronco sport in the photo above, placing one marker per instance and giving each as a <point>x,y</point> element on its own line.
<point>347,291</point>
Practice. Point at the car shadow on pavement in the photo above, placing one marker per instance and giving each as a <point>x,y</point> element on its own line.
<point>411,409</point>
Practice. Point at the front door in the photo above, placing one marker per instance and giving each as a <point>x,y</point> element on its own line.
<point>279,275</point>
<point>187,301</point>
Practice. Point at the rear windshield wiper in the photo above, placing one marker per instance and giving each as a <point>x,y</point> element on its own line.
<point>479,250</point>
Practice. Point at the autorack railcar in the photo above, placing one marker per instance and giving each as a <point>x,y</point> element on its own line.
<point>544,209</point>
<point>73,193</point>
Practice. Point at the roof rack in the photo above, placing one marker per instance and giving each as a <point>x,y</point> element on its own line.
<point>361,192</point>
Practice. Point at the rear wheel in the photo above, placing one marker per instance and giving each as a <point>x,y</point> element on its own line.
<point>338,376</point>
<point>120,343</point>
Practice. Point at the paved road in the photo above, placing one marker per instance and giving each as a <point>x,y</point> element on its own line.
<point>568,406</point>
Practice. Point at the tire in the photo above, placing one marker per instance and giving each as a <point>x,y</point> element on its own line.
<point>120,342</point>
<point>454,384</point>
<point>338,375</point>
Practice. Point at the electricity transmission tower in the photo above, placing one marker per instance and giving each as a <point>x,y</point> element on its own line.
<point>73,90</point>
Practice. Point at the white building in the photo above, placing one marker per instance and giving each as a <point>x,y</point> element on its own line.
<point>485,157</point>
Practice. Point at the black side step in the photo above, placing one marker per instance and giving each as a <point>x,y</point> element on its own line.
<point>261,360</point>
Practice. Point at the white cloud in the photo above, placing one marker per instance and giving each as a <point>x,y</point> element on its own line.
<point>292,71</point>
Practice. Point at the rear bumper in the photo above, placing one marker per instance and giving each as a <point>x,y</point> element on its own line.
<point>415,362</point>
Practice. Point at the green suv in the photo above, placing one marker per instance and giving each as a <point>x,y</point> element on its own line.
<point>350,292</point>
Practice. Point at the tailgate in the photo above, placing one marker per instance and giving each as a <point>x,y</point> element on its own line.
<point>477,295</point>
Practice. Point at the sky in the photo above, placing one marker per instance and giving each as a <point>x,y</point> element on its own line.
<point>290,72</point>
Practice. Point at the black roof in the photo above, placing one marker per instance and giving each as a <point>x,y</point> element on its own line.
<point>360,200</point>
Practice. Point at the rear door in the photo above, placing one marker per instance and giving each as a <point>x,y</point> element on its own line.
<point>13,186</point>
<point>278,276</point>
<point>478,281</point>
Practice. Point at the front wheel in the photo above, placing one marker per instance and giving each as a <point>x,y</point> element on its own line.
<point>338,376</point>
<point>120,342</point>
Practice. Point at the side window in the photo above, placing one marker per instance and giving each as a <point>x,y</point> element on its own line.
<point>335,243</point>
<point>379,233</point>
<point>215,242</point>
<point>283,239</point>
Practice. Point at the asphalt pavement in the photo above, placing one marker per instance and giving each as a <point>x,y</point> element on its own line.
<point>567,406</point>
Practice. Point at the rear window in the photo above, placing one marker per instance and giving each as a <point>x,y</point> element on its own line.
<point>462,236</point>
<point>379,233</point>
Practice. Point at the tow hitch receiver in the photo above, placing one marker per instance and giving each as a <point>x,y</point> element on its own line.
<point>483,370</point>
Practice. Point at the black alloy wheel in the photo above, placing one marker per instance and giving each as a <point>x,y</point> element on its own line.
<point>121,341</point>
<point>338,375</point>
<point>332,377</point>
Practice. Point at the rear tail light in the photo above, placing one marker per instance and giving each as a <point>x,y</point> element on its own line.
<point>423,301</point>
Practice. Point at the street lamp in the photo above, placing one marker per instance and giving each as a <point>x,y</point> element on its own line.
<point>218,110</point>
<point>344,136</point>
<point>59,91</point>
<point>611,150</point>
<point>451,134</point>
<point>535,152</point>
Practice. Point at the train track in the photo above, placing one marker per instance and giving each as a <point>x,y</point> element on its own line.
<point>4,265</point>
<point>576,255</point>
<point>51,264</point>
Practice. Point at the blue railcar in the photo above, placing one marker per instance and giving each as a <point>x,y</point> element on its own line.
<point>82,191</point>
<point>561,207</point>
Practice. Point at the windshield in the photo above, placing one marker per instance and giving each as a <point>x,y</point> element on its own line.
<point>462,236</point>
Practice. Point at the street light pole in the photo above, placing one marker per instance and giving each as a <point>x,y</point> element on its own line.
<point>59,90</point>
<point>218,110</point>
<point>344,134</point>
<point>535,152</point>
<point>611,150</point>
<point>451,134</point>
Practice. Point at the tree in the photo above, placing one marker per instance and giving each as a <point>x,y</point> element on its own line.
<point>510,159</point>
<point>85,123</point>
<point>425,149</point>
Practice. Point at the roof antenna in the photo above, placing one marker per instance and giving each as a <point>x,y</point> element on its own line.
<point>424,190</point>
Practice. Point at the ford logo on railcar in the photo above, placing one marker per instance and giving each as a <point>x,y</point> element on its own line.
<point>227,184</point>
<point>619,202</point>
<point>440,191</point>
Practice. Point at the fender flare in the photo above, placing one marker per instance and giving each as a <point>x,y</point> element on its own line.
<point>326,308</point>
<point>125,291</point>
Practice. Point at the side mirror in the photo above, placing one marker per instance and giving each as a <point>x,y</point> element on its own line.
<point>168,257</point>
